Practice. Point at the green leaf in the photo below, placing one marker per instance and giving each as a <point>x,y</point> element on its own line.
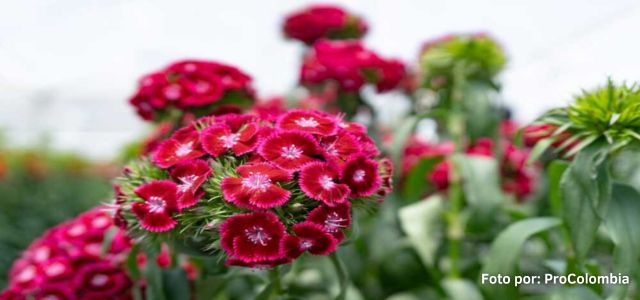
<point>586,188</point>
<point>505,251</point>
<point>481,183</point>
<point>421,223</point>
<point>622,223</point>
<point>540,147</point>
<point>416,184</point>
<point>175,284</point>
<point>461,289</point>
<point>153,277</point>
<point>554,173</point>
<point>574,293</point>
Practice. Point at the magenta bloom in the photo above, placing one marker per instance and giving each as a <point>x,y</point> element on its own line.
<point>252,237</point>
<point>308,121</point>
<point>220,138</point>
<point>190,175</point>
<point>102,280</point>
<point>289,150</point>
<point>319,181</point>
<point>323,21</point>
<point>332,219</point>
<point>340,147</point>
<point>182,146</point>
<point>361,175</point>
<point>256,188</point>
<point>309,237</point>
<point>160,201</point>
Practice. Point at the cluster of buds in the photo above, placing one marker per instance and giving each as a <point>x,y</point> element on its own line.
<point>70,261</point>
<point>262,190</point>
<point>191,87</point>
<point>349,65</point>
<point>474,56</point>
<point>323,21</point>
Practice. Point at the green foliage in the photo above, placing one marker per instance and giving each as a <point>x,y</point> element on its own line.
<point>422,224</point>
<point>505,251</point>
<point>39,190</point>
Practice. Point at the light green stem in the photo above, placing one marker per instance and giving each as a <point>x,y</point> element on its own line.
<point>343,277</point>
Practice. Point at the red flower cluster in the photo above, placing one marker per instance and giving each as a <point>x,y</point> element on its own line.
<point>323,21</point>
<point>517,178</point>
<point>68,262</point>
<point>285,187</point>
<point>350,65</point>
<point>194,86</point>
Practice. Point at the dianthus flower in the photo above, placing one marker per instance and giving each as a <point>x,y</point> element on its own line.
<point>323,21</point>
<point>191,86</point>
<point>69,262</point>
<point>516,176</point>
<point>262,190</point>
<point>351,66</point>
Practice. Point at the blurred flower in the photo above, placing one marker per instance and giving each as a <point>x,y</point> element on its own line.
<point>351,66</point>
<point>323,21</point>
<point>190,86</point>
<point>67,262</point>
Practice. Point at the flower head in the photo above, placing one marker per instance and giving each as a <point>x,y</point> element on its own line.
<point>265,189</point>
<point>350,65</point>
<point>160,201</point>
<point>58,266</point>
<point>183,145</point>
<point>252,237</point>
<point>191,86</point>
<point>323,21</point>
<point>320,181</point>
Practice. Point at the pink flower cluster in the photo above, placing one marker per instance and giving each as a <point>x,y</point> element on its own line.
<point>194,86</point>
<point>289,183</point>
<point>68,262</point>
<point>323,21</point>
<point>351,66</point>
<point>517,178</point>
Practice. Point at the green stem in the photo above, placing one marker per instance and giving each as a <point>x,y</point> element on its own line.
<point>343,277</point>
<point>456,124</point>
<point>274,278</point>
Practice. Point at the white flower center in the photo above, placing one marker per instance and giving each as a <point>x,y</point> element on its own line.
<point>307,122</point>
<point>358,175</point>
<point>331,149</point>
<point>41,254</point>
<point>27,274</point>
<point>100,222</point>
<point>256,181</point>
<point>77,230</point>
<point>172,92</point>
<point>326,182</point>
<point>99,280</point>
<point>333,222</point>
<point>305,244</point>
<point>186,183</point>
<point>184,149</point>
<point>51,297</point>
<point>291,152</point>
<point>257,235</point>
<point>229,140</point>
<point>55,269</point>
<point>156,204</point>
<point>202,87</point>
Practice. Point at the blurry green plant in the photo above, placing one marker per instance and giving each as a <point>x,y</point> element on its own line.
<point>40,188</point>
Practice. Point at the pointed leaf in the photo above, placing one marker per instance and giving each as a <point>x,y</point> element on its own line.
<point>420,221</point>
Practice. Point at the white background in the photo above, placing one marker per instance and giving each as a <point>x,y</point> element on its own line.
<point>68,66</point>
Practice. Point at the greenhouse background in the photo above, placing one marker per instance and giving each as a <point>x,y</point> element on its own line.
<point>75,92</point>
